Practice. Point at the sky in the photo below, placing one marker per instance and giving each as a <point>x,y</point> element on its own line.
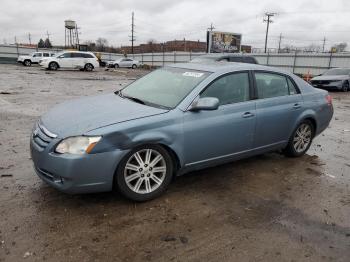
<point>301,22</point>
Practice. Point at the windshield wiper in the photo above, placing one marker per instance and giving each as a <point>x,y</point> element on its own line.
<point>135,99</point>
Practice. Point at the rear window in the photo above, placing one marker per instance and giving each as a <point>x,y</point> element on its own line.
<point>86,55</point>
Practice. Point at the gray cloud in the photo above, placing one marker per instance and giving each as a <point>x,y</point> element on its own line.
<point>300,22</point>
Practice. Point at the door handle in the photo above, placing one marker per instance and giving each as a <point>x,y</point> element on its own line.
<point>296,106</point>
<point>247,115</point>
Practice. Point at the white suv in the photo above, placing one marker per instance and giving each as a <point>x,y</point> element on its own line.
<point>34,58</point>
<point>71,59</point>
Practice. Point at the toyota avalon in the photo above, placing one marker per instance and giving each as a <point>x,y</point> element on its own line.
<point>176,119</point>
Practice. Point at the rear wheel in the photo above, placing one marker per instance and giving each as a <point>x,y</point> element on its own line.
<point>144,173</point>
<point>345,87</point>
<point>116,66</point>
<point>133,66</point>
<point>53,66</point>
<point>88,67</point>
<point>27,63</point>
<point>301,139</point>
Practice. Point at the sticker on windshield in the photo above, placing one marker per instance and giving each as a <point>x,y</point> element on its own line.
<point>193,74</point>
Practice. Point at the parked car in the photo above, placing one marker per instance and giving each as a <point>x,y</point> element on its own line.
<point>123,62</point>
<point>71,60</point>
<point>333,79</point>
<point>226,57</point>
<point>176,119</point>
<point>34,58</point>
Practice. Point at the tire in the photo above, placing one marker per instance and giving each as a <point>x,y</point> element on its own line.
<point>133,66</point>
<point>136,177</point>
<point>27,62</point>
<point>301,139</point>
<point>345,87</point>
<point>53,66</point>
<point>88,67</point>
<point>116,66</point>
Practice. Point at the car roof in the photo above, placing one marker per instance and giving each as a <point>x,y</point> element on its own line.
<point>224,67</point>
<point>214,55</point>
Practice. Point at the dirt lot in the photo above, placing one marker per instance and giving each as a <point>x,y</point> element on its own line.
<point>267,208</point>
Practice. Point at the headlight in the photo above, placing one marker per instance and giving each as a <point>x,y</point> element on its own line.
<point>77,145</point>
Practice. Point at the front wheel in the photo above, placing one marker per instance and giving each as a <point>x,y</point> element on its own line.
<point>116,66</point>
<point>27,63</point>
<point>144,173</point>
<point>133,66</point>
<point>53,66</point>
<point>301,139</point>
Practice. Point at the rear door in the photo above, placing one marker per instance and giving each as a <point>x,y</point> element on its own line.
<point>78,60</point>
<point>278,106</point>
<point>229,130</point>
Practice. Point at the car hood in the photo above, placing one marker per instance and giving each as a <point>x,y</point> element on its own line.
<point>25,56</point>
<point>77,117</point>
<point>330,77</point>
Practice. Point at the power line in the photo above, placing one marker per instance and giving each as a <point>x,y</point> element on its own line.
<point>268,21</point>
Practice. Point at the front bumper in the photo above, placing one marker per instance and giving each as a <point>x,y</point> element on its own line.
<point>75,174</point>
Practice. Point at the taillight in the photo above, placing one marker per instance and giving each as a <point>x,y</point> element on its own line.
<point>329,99</point>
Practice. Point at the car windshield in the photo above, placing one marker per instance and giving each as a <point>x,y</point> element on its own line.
<point>336,72</point>
<point>165,87</point>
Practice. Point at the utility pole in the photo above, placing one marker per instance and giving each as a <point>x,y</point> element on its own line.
<point>268,20</point>
<point>30,39</point>
<point>48,35</point>
<point>279,43</point>
<point>211,28</point>
<point>132,38</point>
<point>324,43</point>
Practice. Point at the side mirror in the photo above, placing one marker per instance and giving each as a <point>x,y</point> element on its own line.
<point>205,103</point>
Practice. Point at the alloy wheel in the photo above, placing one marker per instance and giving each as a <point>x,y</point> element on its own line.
<point>145,171</point>
<point>302,138</point>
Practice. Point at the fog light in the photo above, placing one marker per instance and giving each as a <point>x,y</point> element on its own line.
<point>58,179</point>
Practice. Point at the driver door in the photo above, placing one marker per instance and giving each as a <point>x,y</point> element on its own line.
<point>36,57</point>
<point>228,131</point>
<point>65,60</point>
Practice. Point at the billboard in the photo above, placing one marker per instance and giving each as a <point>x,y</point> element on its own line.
<point>223,42</point>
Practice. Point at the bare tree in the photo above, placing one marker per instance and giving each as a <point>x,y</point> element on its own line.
<point>101,44</point>
<point>341,47</point>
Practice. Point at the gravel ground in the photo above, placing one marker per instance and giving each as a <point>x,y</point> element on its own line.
<point>266,208</point>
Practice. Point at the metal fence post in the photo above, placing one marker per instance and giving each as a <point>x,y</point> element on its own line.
<point>152,58</point>
<point>190,55</point>
<point>174,57</point>
<point>163,57</point>
<point>268,57</point>
<point>142,58</point>
<point>295,60</point>
<point>330,60</point>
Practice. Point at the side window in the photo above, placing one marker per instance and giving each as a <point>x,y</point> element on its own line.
<point>249,60</point>
<point>37,55</point>
<point>87,55</point>
<point>271,85</point>
<point>52,54</point>
<point>46,54</point>
<point>233,88</point>
<point>292,88</point>
<point>237,59</point>
<point>77,55</point>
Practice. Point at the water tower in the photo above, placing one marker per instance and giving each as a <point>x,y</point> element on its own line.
<point>71,37</point>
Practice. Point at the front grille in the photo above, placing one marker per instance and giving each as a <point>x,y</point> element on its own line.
<point>42,137</point>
